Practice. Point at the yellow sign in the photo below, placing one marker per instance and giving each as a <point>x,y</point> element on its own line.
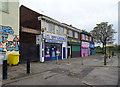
<point>42,40</point>
<point>74,40</point>
<point>109,46</point>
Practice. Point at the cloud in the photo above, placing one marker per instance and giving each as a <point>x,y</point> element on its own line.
<point>83,14</point>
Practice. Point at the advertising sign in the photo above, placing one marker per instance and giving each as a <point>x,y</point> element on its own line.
<point>85,44</point>
<point>91,45</point>
<point>73,40</point>
<point>54,41</point>
<point>54,37</point>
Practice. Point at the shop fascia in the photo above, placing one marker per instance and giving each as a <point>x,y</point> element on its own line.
<point>73,40</point>
<point>92,45</point>
<point>85,44</point>
<point>54,39</point>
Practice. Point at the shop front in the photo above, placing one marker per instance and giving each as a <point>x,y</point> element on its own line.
<point>51,45</point>
<point>84,49</point>
<point>92,48</point>
<point>73,48</point>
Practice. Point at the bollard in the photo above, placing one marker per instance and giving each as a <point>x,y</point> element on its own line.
<point>28,66</point>
<point>81,60</point>
<point>57,59</point>
<point>69,59</point>
<point>4,67</point>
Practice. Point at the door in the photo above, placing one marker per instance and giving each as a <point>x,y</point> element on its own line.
<point>64,52</point>
<point>68,53</point>
<point>75,51</point>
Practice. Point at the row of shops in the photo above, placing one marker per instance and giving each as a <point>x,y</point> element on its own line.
<point>80,48</point>
<point>48,39</point>
<point>53,45</point>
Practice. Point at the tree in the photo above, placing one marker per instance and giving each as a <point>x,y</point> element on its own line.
<point>118,48</point>
<point>84,31</point>
<point>103,33</point>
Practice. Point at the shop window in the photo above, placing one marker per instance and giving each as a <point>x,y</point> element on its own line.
<point>47,52</point>
<point>76,35</point>
<point>51,49</point>
<point>4,6</point>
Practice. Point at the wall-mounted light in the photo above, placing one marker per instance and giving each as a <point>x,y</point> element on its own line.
<point>43,29</point>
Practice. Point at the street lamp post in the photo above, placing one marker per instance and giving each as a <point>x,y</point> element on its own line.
<point>42,33</point>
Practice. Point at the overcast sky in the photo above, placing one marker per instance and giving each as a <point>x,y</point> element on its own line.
<point>82,14</point>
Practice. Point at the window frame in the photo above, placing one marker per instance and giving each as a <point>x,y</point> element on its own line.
<point>70,33</point>
<point>83,36</point>
<point>90,38</point>
<point>61,30</point>
<point>75,34</point>
<point>86,37</point>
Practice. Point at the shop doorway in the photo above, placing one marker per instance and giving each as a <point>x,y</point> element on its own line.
<point>64,52</point>
<point>68,52</point>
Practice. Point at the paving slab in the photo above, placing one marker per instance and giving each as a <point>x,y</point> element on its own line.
<point>49,78</point>
<point>102,76</point>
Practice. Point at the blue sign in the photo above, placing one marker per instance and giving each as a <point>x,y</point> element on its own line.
<point>54,37</point>
<point>54,41</point>
<point>92,45</point>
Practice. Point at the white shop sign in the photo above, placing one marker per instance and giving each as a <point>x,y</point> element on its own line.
<point>85,44</point>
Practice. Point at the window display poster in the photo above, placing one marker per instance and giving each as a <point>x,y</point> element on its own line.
<point>47,52</point>
<point>51,50</point>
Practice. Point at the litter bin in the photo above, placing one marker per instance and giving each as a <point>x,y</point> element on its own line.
<point>2,56</point>
<point>13,59</point>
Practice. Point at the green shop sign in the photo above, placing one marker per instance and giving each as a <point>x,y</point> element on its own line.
<point>73,40</point>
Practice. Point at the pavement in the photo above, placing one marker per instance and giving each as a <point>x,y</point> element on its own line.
<point>74,71</point>
<point>0,75</point>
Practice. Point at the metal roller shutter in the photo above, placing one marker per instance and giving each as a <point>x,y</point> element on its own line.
<point>75,51</point>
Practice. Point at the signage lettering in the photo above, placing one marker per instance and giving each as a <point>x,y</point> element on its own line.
<point>54,37</point>
<point>53,41</point>
<point>73,40</point>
